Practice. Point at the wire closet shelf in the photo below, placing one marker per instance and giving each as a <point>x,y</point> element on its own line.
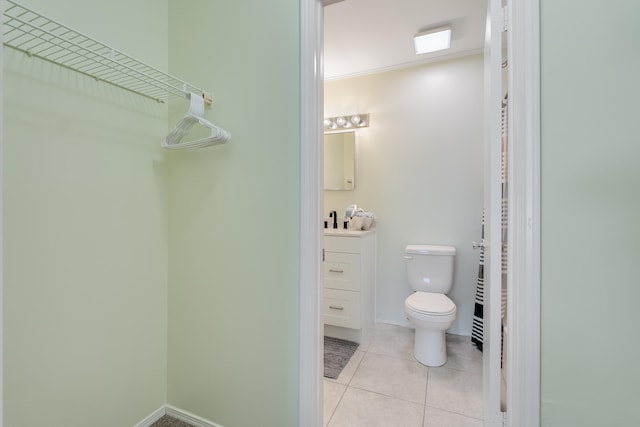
<point>38,36</point>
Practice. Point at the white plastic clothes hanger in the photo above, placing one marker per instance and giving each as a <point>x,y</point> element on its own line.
<point>182,128</point>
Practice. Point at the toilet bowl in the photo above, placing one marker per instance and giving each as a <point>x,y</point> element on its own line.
<point>429,309</point>
<point>431,314</point>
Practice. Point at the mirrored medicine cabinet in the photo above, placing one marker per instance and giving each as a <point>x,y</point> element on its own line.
<point>339,160</point>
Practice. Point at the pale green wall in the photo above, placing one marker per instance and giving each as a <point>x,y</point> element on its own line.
<point>85,231</point>
<point>590,213</point>
<point>419,168</point>
<point>233,288</point>
<point>88,237</point>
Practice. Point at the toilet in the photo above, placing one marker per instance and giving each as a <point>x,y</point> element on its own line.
<point>430,273</point>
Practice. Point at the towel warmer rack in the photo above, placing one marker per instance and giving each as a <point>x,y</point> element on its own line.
<point>36,35</point>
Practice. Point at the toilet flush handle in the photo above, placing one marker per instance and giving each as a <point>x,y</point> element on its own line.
<point>407,257</point>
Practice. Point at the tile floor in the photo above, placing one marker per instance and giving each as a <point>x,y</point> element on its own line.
<point>383,385</point>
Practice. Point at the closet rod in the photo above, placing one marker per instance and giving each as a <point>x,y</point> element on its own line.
<point>36,35</point>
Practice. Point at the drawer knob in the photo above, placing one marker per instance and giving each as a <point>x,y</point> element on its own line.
<point>333,307</point>
<point>331,270</point>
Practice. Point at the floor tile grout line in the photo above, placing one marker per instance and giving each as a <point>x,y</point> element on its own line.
<point>386,395</point>
<point>336,407</point>
<point>452,412</point>
<point>382,394</point>
<point>356,370</point>
<point>426,390</point>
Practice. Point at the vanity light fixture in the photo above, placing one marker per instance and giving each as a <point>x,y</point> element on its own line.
<point>346,122</point>
<point>432,40</point>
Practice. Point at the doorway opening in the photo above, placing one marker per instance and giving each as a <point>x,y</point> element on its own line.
<point>312,206</point>
<point>418,102</point>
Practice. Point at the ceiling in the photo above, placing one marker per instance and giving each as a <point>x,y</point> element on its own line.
<point>369,36</point>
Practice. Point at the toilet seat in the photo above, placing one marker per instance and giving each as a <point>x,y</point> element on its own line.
<point>431,304</point>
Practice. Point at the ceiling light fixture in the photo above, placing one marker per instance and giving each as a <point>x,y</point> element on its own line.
<point>346,122</point>
<point>432,40</point>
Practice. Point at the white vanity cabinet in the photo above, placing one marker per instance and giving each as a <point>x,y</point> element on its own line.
<point>349,283</point>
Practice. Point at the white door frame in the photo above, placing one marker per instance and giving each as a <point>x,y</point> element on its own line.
<point>311,154</point>
<point>523,391</point>
<point>523,305</point>
<point>492,319</point>
<point>1,225</point>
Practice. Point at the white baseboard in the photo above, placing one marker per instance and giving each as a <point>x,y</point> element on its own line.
<point>155,416</point>
<point>176,413</point>
<point>189,418</point>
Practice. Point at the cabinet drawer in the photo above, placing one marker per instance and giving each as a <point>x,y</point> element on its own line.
<point>342,271</point>
<point>342,308</point>
<point>342,244</point>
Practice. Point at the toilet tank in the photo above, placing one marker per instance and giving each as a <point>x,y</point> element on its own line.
<point>430,267</point>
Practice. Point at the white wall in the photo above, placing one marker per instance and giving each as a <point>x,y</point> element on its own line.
<point>590,213</point>
<point>419,168</point>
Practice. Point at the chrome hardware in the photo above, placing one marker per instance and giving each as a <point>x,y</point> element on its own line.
<point>333,307</point>
<point>335,271</point>
<point>477,245</point>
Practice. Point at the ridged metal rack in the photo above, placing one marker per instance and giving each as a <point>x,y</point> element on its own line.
<point>41,37</point>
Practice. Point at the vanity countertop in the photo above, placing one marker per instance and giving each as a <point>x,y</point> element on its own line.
<point>347,233</point>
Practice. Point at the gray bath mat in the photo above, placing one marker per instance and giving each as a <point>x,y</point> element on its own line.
<point>337,353</point>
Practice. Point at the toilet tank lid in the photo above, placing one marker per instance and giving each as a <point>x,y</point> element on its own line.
<point>430,250</point>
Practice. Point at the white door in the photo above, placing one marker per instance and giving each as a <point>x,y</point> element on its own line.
<point>492,202</point>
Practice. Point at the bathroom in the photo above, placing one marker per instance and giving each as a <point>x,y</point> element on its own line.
<point>419,169</point>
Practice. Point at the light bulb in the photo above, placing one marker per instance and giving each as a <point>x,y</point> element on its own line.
<point>341,121</point>
<point>327,122</point>
<point>356,120</point>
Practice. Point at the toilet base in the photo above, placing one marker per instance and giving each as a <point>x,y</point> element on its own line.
<point>430,347</point>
